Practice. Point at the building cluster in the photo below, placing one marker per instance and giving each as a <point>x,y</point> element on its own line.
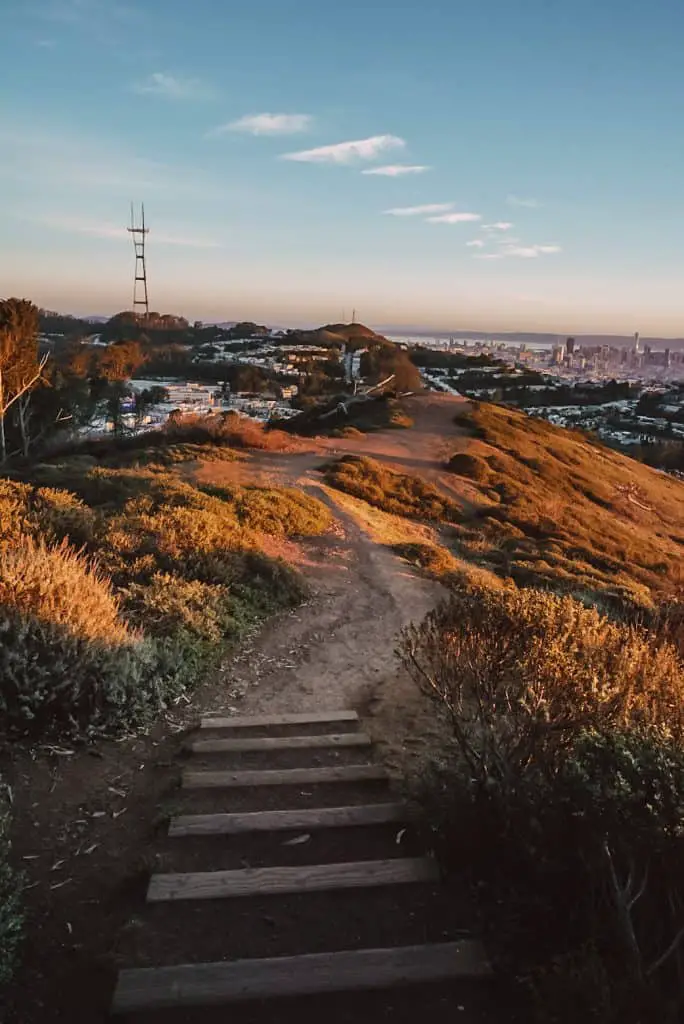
<point>638,359</point>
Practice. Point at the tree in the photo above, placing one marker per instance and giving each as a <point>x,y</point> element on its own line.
<point>20,366</point>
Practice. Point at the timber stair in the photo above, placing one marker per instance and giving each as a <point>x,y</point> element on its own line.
<point>299,880</point>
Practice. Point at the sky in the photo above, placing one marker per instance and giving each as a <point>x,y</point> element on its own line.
<point>493,165</point>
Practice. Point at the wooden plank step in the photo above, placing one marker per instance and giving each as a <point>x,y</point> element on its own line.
<point>345,739</point>
<point>284,776</point>
<point>189,985</point>
<point>273,821</point>
<point>262,721</point>
<point>211,885</point>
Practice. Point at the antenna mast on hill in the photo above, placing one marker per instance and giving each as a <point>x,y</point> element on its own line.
<point>140,279</point>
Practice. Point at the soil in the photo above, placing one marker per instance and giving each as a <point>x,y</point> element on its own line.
<point>89,824</point>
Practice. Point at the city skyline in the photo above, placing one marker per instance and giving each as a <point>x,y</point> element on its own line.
<point>524,181</point>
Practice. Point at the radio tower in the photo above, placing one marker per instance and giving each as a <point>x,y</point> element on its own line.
<point>140,280</point>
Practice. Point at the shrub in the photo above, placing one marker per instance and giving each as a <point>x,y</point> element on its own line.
<point>471,466</point>
<point>171,606</point>
<point>401,420</point>
<point>55,681</point>
<point>284,511</point>
<point>562,793</point>
<point>181,563</point>
<point>392,492</point>
<point>522,672</point>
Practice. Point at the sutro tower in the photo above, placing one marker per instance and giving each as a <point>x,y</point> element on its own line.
<point>140,280</point>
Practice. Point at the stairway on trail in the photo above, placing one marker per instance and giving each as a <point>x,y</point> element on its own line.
<point>292,886</point>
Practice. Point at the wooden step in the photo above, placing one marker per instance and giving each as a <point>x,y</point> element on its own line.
<point>189,985</point>
<point>308,818</point>
<point>345,739</point>
<point>210,885</point>
<point>284,776</point>
<point>263,721</point>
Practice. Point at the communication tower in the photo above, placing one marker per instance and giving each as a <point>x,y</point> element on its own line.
<point>138,233</point>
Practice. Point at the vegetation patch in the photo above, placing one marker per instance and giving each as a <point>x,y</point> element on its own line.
<point>561,794</point>
<point>120,591</point>
<point>393,492</point>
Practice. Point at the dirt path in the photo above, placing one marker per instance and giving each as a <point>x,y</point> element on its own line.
<point>87,827</point>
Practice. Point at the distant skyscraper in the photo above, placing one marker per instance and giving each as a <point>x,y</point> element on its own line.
<point>570,346</point>
<point>636,342</point>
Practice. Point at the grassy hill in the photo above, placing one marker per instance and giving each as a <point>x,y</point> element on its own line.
<point>543,506</point>
<point>556,507</point>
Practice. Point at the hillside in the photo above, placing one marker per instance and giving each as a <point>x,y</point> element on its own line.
<point>558,508</point>
<point>405,540</point>
<point>354,332</point>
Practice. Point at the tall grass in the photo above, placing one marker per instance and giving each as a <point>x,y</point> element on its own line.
<point>61,586</point>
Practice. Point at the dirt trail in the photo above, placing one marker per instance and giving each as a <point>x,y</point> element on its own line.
<point>337,650</point>
<point>85,865</point>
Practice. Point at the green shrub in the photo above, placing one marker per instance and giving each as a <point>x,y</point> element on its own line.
<point>54,681</point>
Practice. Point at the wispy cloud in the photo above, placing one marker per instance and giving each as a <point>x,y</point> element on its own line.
<point>418,211</point>
<point>499,225</point>
<point>396,170</point>
<point>488,256</point>
<point>476,243</point>
<point>173,87</point>
<point>99,229</point>
<point>266,124</point>
<point>530,252</point>
<point>455,218</point>
<point>531,204</point>
<point>348,152</point>
<point>45,44</point>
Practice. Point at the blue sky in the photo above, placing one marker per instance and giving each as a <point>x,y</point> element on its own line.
<point>516,165</point>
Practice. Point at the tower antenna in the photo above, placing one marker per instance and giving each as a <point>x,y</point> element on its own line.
<point>138,233</point>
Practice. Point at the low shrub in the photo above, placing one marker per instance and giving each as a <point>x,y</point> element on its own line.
<point>56,682</point>
<point>562,794</point>
<point>400,420</point>
<point>286,511</point>
<point>471,466</point>
<point>522,672</point>
<point>393,492</point>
